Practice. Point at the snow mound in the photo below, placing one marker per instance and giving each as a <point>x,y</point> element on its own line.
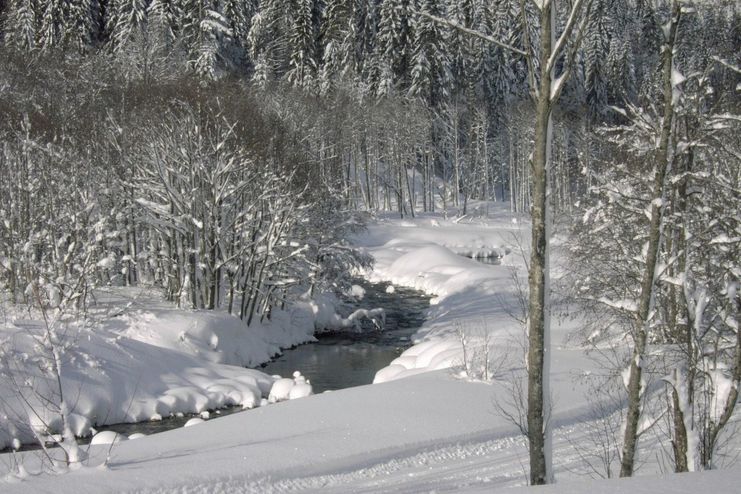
<point>194,421</point>
<point>434,354</point>
<point>107,437</point>
<point>290,389</point>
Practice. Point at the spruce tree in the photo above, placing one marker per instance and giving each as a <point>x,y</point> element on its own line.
<point>302,44</point>
<point>393,46</point>
<point>337,49</point>
<point>52,25</point>
<point>430,73</point>
<point>20,25</point>
<point>126,20</point>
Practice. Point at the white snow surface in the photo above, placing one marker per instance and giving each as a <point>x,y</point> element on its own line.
<point>428,426</point>
<point>143,359</point>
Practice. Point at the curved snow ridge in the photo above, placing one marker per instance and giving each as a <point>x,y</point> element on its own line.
<point>433,354</point>
<point>473,303</point>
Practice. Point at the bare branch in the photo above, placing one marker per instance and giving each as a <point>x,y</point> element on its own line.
<point>472,32</point>
<point>571,57</point>
<point>566,34</point>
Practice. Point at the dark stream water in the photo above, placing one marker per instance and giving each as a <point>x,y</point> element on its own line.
<point>338,359</point>
<point>351,358</point>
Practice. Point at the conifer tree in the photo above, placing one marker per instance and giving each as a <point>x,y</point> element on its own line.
<point>596,47</point>
<point>430,73</point>
<point>464,50</point>
<point>126,20</point>
<point>52,25</point>
<point>393,46</point>
<point>20,25</point>
<point>239,16</point>
<point>337,50</point>
<point>302,44</point>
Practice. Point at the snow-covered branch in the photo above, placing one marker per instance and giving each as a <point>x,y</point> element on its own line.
<point>472,32</point>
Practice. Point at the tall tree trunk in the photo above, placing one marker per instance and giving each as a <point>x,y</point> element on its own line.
<point>538,331</point>
<point>646,300</point>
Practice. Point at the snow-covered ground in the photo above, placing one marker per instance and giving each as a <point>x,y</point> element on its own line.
<point>442,431</point>
<point>139,358</point>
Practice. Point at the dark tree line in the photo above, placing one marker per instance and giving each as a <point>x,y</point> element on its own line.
<point>472,96</point>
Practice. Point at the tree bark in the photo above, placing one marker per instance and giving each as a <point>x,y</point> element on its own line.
<point>538,298</point>
<point>646,300</point>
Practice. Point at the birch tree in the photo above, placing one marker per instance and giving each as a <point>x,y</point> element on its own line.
<point>645,303</point>
<point>546,85</point>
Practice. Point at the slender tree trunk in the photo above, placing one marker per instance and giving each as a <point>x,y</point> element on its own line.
<point>646,300</point>
<point>679,442</point>
<point>537,277</point>
<point>410,190</point>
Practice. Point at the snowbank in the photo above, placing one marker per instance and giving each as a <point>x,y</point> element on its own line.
<point>472,302</point>
<point>474,324</point>
<point>110,378</point>
<point>143,359</point>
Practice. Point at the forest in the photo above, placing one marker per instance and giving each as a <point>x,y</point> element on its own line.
<point>226,150</point>
<point>272,109</point>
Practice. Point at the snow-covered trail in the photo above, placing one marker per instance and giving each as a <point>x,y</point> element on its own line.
<point>473,465</point>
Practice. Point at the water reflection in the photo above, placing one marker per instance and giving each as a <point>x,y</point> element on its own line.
<point>350,358</point>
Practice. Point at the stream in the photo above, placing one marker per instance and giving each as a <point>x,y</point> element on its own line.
<point>336,360</point>
<point>350,358</point>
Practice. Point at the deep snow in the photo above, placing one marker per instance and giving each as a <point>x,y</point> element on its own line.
<point>430,431</point>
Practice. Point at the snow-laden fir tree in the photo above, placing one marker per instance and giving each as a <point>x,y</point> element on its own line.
<point>464,49</point>
<point>301,40</point>
<point>20,25</point>
<point>430,71</point>
<point>596,46</point>
<point>497,68</point>
<point>214,35</point>
<point>338,38</point>
<point>267,42</point>
<point>394,47</point>
<point>161,26</point>
<point>126,21</point>
<point>239,15</point>
<point>51,30</point>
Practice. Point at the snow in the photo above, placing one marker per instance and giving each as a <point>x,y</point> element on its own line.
<point>433,257</point>
<point>357,292</point>
<point>290,389</point>
<point>677,77</point>
<point>725,482</point>
<point>107,437</point>
<point>140,358</point>
<point>424,427</point>
<point>280,390</point>
<point>194,421</point>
